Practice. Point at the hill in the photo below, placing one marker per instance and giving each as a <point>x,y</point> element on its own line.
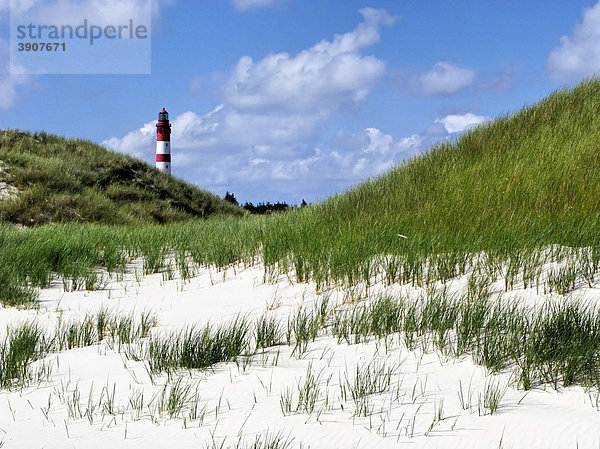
<point>531,176</point>
<point>49,179</point>
<point>520,182</point>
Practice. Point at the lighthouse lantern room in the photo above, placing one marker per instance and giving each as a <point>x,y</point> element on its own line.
<point>163,142</point>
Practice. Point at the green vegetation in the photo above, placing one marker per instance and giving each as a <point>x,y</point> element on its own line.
<point>509,188</point>
<point>371,378</point>
<point>304,326</point>
<point>28,342</point>
<point>19,349</point>
<point>504,200</point>
<point>261,441</point>
<point>521,181</point>
<point>197,348</point>
<point>34,257</point>
<point>62,180</point>
<point>268,332</point>
<point>557,344</point>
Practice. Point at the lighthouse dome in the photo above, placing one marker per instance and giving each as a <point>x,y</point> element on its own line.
<point>163,115</point>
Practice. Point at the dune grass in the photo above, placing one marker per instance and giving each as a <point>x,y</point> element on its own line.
<point>20,348</point>
<point>517,184</point>
<point>503,200</point>
<point>28,342</point>
<point>267,440</point>
<point>72,180</point>
<point>556,345</point>
<point>35,257</point>
<point>194,348</point>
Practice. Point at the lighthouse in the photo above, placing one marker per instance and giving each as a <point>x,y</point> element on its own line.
<point>163,142</point>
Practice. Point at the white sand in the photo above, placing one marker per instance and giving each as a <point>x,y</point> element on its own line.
<point>245,401</point>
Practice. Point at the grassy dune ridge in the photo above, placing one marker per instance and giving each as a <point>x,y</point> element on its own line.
<point>508,188</point>
<point>532,172</point>
<point>73,180</point>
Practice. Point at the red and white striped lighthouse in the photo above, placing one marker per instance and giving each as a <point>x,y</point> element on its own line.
<point>163,142</point>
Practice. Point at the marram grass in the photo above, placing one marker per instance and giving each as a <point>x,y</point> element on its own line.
<point>523,181</point>
<point>71,180</point>
<point>504,199</point>
<point>28,342</point>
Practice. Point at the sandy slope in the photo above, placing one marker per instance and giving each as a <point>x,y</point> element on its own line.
<point>243,400</point>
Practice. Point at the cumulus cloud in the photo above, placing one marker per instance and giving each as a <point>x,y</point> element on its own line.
<point>578,55</point>
<point>444,78</point>
<point>349,158</point>
<point>274,106</point>
<point>270,171</point>
<point>220,129</point>
<point>9,84</point>
<point>316,174</point>
<point>323,79</point>
<point>4,9</point>
<point>243,5</point>
<point>457,123</point>
<point>9,87</point>
<point>101,12</point>
<point>263,140</point>
<point>287,172</point>
<point>139,143</point>
<point>280,100</point>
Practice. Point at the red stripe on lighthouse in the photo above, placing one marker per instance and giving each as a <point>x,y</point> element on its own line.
<point>163,158</point>
<point>163,131</point>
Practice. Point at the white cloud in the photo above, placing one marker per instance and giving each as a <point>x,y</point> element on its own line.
<point>205,153</point>
<point>578,55</point>
<point>443,79</point>
<point>280,100</point>
<point>321,170</point>
<point>9,84</point>
<point>263,141</point>
<point>223,129</point>
<point>263,138</point>
<point>243,5</point>
<point>378,142</point>
<point>456,123</point>
<point>189,131</point>
<point>100,12</point>
<point>322,79</point>
<point>4,9</point>
<point>139,143</point>
<point>267,171</point>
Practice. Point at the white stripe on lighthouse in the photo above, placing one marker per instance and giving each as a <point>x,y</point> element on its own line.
<point>164,167</point>
<point>163,147</point>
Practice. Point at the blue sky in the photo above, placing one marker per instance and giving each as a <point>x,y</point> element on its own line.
<point>279,100</point>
